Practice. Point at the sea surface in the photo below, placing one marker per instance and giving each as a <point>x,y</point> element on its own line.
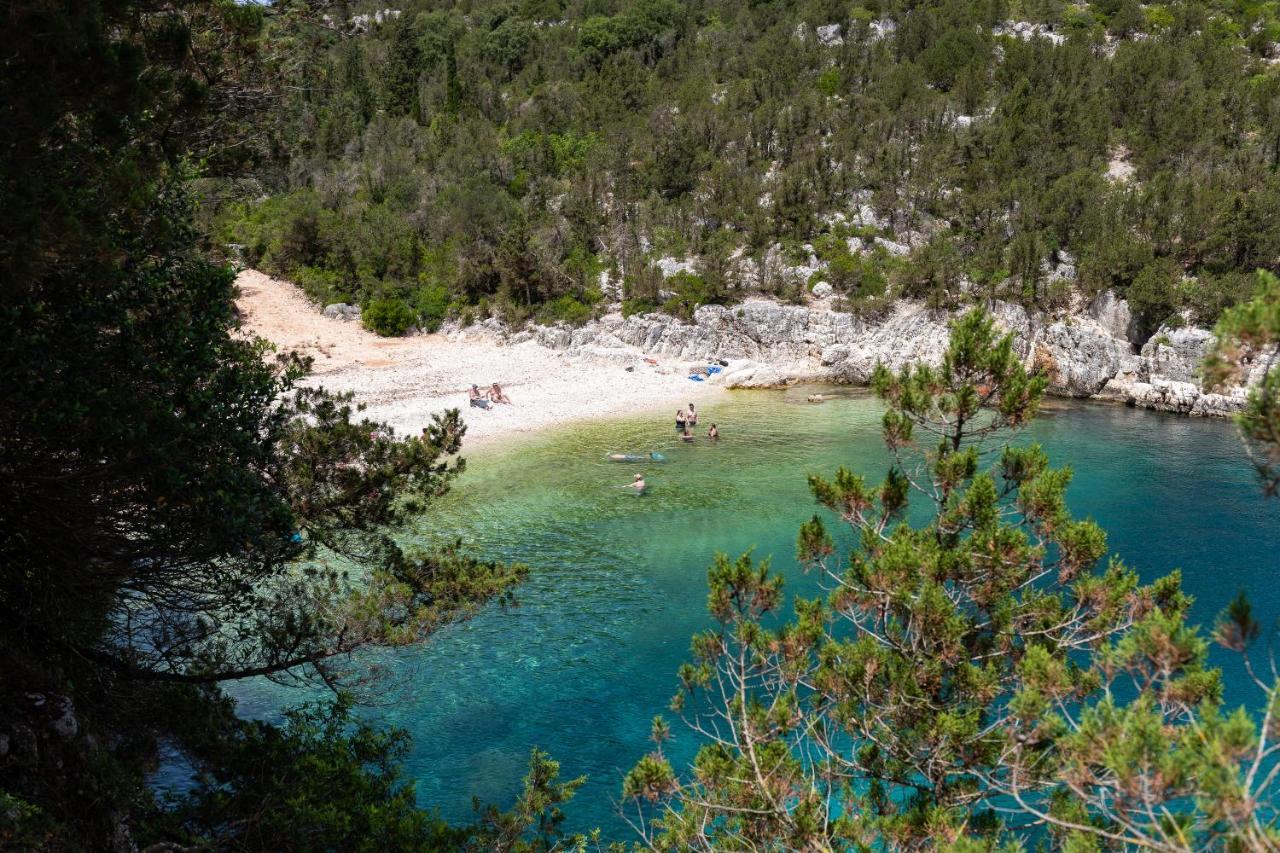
<point>618,581</point>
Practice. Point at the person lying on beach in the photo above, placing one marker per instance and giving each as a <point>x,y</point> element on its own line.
<point>713,432</point>
<point>496,395</point>
<point>680,419</point>
<point>637,484</point>
<point>686,435</point>
<point>478,400</point>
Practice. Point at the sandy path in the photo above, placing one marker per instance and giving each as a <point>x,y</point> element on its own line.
<point>404,380</point>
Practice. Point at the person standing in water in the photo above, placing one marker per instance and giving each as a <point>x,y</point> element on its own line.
<point>713,432</point>
<point>680,420</point>
<point>692,418</point>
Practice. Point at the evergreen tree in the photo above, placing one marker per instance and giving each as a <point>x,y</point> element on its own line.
<point>911,704</point>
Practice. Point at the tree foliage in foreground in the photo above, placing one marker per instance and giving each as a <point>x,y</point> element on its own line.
<point>178,510</point>
<point>977,674</point>
<point>323,780</point>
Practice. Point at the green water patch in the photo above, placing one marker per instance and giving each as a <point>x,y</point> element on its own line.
<point>618,582</point>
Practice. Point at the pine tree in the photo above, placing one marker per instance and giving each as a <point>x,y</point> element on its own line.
<point>902,710</point>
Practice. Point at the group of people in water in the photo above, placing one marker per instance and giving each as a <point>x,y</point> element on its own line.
<point>485,399</point>
<point>686,421</point>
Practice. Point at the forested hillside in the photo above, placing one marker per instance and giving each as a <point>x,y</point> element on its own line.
<point>434,158</point>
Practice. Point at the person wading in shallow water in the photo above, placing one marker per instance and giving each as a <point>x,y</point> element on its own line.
<point>713,432</point>
<point>680,420</point>
<point>686,435</point>
<point>638,484</point>
<point>692,418</point>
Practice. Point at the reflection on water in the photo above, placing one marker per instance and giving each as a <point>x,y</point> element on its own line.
<point>619,581</point>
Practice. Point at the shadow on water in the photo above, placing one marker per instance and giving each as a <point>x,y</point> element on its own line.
<point>618,582</point>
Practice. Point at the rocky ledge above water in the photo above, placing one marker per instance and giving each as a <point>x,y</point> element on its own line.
<point>1089,354</point>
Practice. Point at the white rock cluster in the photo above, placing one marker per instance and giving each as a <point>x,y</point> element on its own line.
<point>829,35</point>
<point>1091,354</point>
<point>1026,31</point>
<point>342,311</point>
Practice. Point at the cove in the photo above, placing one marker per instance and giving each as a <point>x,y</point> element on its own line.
<point>618,582</point>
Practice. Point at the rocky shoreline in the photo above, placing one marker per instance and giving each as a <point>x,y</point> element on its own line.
<point>1087,354</point>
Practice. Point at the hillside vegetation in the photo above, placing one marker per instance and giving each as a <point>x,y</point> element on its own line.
<point>499,157</point>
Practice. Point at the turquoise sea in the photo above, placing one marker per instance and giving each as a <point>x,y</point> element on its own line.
<point>618,582</point>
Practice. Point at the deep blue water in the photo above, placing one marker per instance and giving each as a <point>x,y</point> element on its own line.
<point>618,582</point>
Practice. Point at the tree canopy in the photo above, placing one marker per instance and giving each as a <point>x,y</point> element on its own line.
<point>498,157</point>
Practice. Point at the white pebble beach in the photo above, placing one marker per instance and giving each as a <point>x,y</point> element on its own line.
<point>403,381</point>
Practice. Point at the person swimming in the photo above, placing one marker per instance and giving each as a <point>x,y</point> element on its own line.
<point>638,484</point>
<point>713,432</point>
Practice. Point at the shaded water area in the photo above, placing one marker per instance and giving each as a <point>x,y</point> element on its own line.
<point>618,581</point>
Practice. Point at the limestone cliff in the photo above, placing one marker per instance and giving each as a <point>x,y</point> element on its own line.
<point>1087,354</point>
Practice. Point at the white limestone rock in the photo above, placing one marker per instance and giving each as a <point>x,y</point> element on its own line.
<point>672,266</point>
<point>1080,357</point>
<point>865,217</point>
<point>768,344</point>
<point>893,248</point>
<point>342,311</point>
<point>829,35</point>
<point>1113,314</point>
<point>1177,353</point>
<point>834,354</point>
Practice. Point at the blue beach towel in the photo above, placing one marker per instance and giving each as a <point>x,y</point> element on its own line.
<point>696,378</point>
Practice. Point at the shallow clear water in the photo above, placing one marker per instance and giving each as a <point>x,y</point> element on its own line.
<point>619,581</point>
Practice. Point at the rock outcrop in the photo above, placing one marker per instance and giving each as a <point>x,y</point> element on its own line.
<point>342,311</point>
<point>1086,355</point>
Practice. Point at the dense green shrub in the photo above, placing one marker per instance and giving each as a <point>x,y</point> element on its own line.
<point>638,306</point>
<point>432,302</point>
<point>565,309</point>
<point>690,292</point>
<point>389,317</point>
<point>1153,295</point>
<point>322,286</point>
